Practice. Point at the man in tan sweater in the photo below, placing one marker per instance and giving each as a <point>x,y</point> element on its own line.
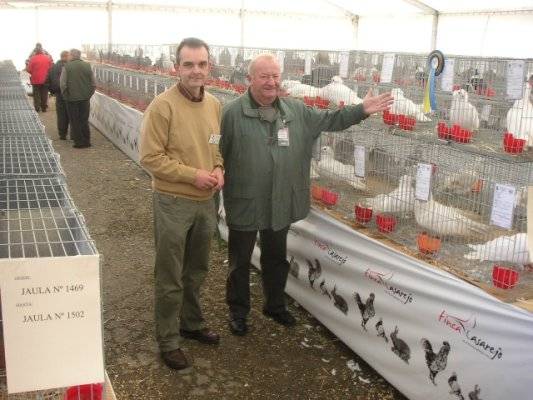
<point>179,147</point>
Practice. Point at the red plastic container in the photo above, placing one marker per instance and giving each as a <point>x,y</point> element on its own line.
<point>316,192</point>
<point>410,123</point>
<point>85,392</point>
<point>512,145</point>
<point>363,214</point>
<point>329,198</point>
<point>504,278</point>
<point>461,135</point>
<point>443,130</point>
<point>386,223</point>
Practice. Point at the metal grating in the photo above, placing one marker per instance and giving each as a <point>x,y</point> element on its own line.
<point>20,122</point>
<point>28,156</point>
<point>38,219</point>
<point>15,104</point>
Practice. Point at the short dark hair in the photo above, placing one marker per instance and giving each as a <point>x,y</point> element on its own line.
<point>191,42</point>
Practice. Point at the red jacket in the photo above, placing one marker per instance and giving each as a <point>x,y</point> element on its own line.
<point>38,68</point>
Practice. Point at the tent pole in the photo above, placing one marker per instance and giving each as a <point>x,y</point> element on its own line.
<point>434,31</point>
<point>109,27</point>
<point>355,27</point>
<point>241,16</point>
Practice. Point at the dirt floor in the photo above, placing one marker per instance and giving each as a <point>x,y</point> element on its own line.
<point>114,195</point>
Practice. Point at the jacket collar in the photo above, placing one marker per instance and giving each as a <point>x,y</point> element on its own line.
<point>250,107</point>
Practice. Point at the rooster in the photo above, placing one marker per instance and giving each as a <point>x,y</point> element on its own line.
<point>367,309</point>
<point>314,272</point>
<point>454,386</point>
<point>381,330</point>
<point>435,362</point>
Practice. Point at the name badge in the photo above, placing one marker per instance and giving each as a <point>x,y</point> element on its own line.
<point>283,137</point>
<point>214,139</point>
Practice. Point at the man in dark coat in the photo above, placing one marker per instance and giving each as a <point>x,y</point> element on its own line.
<point>61,105</point>
<point>77,86</point>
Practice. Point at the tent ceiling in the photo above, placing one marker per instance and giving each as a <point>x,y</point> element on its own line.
<point>317,7</point>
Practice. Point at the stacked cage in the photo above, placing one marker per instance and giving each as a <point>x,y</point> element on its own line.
<point>37,216</point>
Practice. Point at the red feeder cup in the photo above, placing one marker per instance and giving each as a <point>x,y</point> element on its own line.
<point>512,145</point>
<point>428,244</point>
<point>85,392</point>
<point>316,192</point>
<point>329,198</point>
<point>504,278</point>
<point>443,131</point>
<point>461,135</point>
<point>363,214</point>
<point>385,223</point>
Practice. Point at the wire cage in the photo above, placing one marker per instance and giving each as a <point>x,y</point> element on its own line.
<point>28,156</point>
<point>370,178</point>
<point>20,123</point>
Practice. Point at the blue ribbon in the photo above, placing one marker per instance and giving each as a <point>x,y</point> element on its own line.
<point>432,95</point>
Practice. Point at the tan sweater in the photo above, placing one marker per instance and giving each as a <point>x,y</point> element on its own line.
<point>175,137</point>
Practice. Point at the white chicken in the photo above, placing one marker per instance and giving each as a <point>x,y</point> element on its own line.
<point>511,249</point>
<point>462,112</point>
<point>329,168</point>
<point>400,200</point>
<point>336,92</point>
<point>288,83</point>
<point>520,118</point>
<point>403,105</point>
<point>301,90</point>
<point>446,221</point>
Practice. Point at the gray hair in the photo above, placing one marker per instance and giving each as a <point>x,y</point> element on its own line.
<point>263,56</point>
<point>75,54</point>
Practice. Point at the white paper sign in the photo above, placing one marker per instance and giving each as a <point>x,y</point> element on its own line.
<point>503,206</point>
<point>387,68</point>
<point>307,63</point>
<point>423,181</point>
<point>515,79</point>
<point>343,64</point>
<point>52,322</point>
<point>447,75</point>
<point>359,154</point>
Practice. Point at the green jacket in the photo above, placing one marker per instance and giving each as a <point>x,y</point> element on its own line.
<point>77,81</point>
<point>267,185</point>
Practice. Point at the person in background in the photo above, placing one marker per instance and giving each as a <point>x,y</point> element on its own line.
<point>52,82</point>
<point>267,145</point>
<point>77,87</point>
<point>179,147</point>
<point>38,67</point>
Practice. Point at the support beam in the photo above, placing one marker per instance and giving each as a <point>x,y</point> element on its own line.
<point>355,27</point>
<point>109,26</point>
<point>421,6</point>
<point>241,17</point>
<point>434,31</point>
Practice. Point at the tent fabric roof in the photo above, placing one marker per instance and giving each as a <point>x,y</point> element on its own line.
<point>318,7</point>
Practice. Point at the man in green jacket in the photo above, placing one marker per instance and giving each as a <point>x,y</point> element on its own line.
<point>77,86</point>
<point>267,146</point>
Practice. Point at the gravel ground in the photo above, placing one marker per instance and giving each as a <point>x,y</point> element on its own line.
<point>114,195</point>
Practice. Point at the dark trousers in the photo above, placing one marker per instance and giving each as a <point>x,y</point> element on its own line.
<point>40,97</point>
<point>78,112</point>
<point>62,116</point>
<point>274,268</point>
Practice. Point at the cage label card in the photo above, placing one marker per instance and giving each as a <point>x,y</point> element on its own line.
<point>423,181</point>
<point>387,68</point>
<point>447,75</point>
<point>515,79</point>
<point>503,206</point>
<point>52,322</point>
<point>359,155</point>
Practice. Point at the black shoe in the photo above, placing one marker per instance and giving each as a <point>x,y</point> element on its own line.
<point>81,146</point>
<point>284,317</point>
<point>205,336</point>
<point>238,326</point>
<point>175,359</point>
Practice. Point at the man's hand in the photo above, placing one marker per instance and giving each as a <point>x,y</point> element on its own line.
<point>374,104</point>
<point>219,175</point>
<point>204,180</point>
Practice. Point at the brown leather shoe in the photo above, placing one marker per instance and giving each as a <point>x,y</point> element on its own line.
<point>175,359</point>
<point>202,335</point>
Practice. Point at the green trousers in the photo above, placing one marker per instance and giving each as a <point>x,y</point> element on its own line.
<point>183,230</point>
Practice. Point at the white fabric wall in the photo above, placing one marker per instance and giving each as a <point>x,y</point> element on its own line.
<point>405,33</point>
<point>487,35</point>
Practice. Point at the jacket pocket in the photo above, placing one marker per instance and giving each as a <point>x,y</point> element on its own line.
<point>300,203</point>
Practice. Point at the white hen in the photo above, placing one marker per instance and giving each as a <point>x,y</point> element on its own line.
<point>520,118</point>
<point>504,248</point>
<point>329,168</point>
<point>336,92</point>
<point>446,221</point>
<point>301,90</point>
<point>400,200</point>
<point>288,83</point>
<point>462,112</point>
<point>404,106</point>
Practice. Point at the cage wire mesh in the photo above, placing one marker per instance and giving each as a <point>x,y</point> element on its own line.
<point>37,215</point>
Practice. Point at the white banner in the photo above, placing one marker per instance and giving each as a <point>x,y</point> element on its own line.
<point>52,322</point>
<point>430,334</point>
